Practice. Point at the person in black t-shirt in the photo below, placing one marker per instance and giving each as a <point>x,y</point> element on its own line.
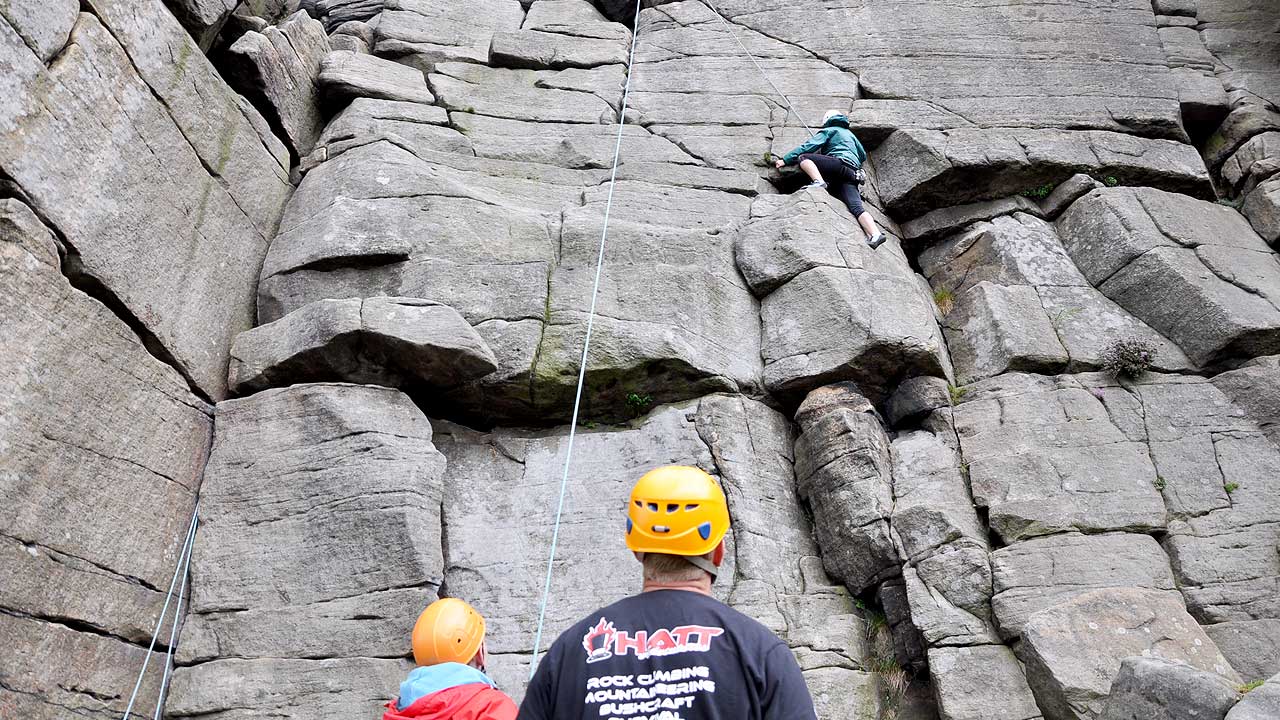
<point>672,652</point>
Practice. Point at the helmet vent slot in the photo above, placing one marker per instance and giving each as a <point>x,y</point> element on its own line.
<point>672,507</point>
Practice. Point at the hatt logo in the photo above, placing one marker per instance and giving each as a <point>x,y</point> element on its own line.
<point>603,641</point>
<point>597,641</point>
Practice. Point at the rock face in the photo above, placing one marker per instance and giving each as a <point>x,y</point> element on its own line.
<point>1206,261</point>
<point>1074,650</point>
<point>1019,302</point>
<point>877,323</point>
<point>334,562</point>
<point>175,220</point>
<point>1152,687</point>
<point>384,341</point>
<point>81,596</point>
<point>327,266</point>
<point>279,69</point>
<point>844,471</point>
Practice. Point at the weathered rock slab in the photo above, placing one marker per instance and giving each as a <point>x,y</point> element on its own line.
<point>1262,207</point>
<point>398,342</point>
<point>177,247</point>
<point>91,426</point>
<point>352,505</point>
<point>983,682</point>
<point>917,170</point>
<point>550,96</point>
<point>424,33</point>
<point>1192,270</point>
<point>1045,457</point>
<point>1252,646</point>
<point>43,26</point>
<point>1041,573</point>
<point>58,672</point>
<point>866,316</point>
<point>1074,651</point>
<point>1159,688</point>
<point>844,472</point>
<point>278,70</point>
<point>293,689</point>
<point>345,75</point>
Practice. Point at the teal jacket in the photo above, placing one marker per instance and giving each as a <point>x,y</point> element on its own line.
<point>834,139</point>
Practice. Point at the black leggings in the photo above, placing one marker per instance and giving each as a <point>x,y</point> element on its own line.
<point>839,177</point>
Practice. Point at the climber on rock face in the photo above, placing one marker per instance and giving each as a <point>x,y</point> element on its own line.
<point>673,650</point>
<point>449,682</point>
<point>835,154</point>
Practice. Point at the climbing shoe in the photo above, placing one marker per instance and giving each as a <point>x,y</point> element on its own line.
<point>877,241</point>
<point>816,184</point>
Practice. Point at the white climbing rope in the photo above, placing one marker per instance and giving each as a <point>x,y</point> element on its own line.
<point>184,565</point>
<point>586,345</point>
<point>177,616</point>
<point>790,108</point>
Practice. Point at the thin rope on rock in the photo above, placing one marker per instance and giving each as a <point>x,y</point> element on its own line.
<point>728,26</point>
<point>177,617</point>
<point>586,345</point>
<point>184,564</point>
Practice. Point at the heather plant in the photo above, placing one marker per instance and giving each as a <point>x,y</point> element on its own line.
<point>1128,357</point>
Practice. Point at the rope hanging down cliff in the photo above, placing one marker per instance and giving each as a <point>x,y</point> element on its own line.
<point>586,345</point>
<point>595,291</point>
<point>181,571</point>
<point>729,27</point>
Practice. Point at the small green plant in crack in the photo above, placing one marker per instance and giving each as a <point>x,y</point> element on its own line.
<point>638,403</point>
<point>957,393</point>
<point>1231,487</point>
<point>1110,181</point>
<point>1159,483</point>
<point>1065,315</point>
<point>1038,193</point>
<point>882,660</point>
<point>875,621</point>
<point>588,424</point>
<point>767,159</point>
<point>945,299</point>
<point>1128,357</point>
<point>1251,685</point>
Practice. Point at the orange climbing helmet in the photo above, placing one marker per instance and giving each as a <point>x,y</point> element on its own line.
<point>676,510</point>
<point>449,630</point>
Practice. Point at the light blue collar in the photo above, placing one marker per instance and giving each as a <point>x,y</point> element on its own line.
<point>424,681</point>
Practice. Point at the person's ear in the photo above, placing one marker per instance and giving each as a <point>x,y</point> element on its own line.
<point>718,556</point>
<point>477,660</point>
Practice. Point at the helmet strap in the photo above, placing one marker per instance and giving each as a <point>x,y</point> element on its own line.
<point>703,564</point>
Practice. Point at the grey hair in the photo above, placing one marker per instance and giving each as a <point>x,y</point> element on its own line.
<point>662,568</point>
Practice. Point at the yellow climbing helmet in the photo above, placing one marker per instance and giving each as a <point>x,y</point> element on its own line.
<point>449,630</point>
<point>676,510</point>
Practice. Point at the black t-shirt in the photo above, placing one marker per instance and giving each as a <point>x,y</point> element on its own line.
<point>668,655</point>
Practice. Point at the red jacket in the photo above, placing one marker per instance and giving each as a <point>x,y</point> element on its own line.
<point>474,701</point>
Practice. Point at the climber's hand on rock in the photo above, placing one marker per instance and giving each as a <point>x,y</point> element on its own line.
<point>778,164</point>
